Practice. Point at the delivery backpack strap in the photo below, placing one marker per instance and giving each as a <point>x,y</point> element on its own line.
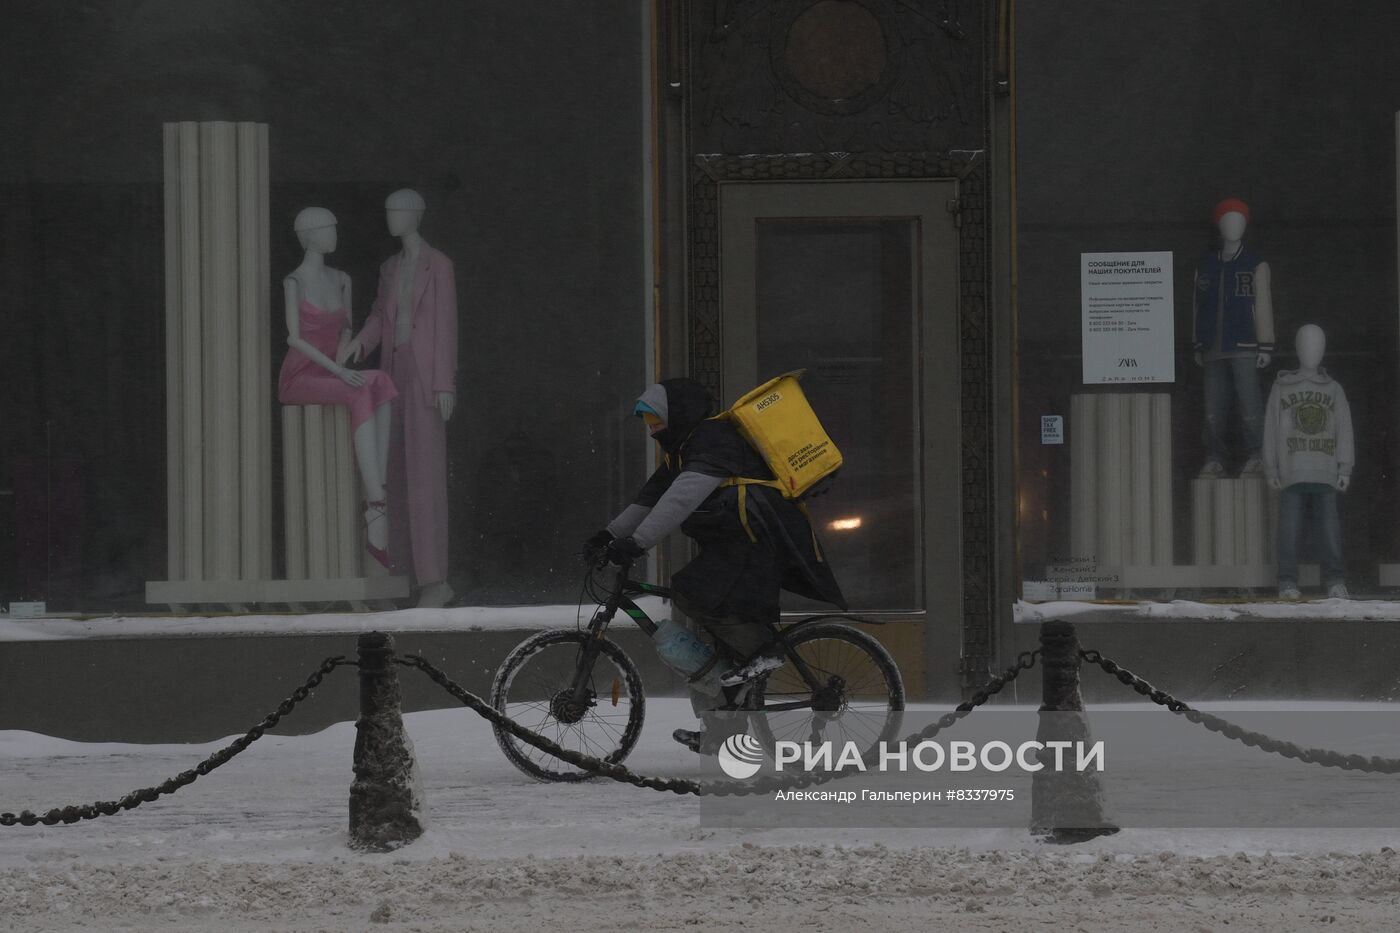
<point>743,483</point>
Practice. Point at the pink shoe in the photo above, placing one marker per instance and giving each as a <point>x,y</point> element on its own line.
<point>374,512</point>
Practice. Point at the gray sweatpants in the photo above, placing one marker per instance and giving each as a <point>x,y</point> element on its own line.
<point>743,639</point>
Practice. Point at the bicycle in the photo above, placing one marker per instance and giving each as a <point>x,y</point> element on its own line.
<point>836,678</point>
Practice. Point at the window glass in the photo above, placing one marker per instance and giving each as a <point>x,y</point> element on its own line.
<point>1149,488</point>
<point>838,297</point>
<point>523,134</point>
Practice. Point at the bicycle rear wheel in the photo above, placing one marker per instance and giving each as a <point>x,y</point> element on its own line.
<point>534,685</point>
<point>859,696</point>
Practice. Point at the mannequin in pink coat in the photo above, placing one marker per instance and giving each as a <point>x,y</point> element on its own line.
<point>414,319</point>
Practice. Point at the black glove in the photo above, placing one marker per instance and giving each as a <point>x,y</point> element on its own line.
<point>624,551</point>
<point>595,549</point>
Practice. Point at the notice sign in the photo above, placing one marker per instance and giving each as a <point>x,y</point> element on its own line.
<point>1127,317</point>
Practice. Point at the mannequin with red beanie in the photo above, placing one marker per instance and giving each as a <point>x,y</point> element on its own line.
<point>1232,333</point>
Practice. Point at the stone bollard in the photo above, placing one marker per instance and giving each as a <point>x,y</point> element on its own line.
<point>1066,805</point>
<point>386,800</point>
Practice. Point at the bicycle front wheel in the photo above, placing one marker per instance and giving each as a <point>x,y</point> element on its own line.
<point>851,691</point>
<point>534,687</point>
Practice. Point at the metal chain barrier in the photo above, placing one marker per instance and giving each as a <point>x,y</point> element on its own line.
<point>223,756</point>
<point>1312,756</point>
<point>614,771</point>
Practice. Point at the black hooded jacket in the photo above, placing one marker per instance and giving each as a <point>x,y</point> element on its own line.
<point>733,575</point>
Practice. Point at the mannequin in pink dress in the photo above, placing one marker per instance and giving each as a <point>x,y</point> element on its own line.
<point>318,332</point>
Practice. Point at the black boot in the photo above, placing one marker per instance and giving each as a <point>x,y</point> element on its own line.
<point>692,739</point>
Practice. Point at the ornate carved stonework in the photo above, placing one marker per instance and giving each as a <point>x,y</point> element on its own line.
<point>834,75</point>
<point>836,57</point>
<point>853,89</point>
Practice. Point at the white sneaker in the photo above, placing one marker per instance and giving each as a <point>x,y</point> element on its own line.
<point>1252,467</point>
<point>1338,591</point>
<point>1213,469</point>
<point>434,596</point>
<point>1289,591</point>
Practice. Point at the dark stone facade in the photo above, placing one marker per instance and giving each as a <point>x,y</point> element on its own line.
<point>856,89</point>
<point>835,75</point>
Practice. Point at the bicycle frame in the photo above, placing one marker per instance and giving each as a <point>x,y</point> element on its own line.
<point>621,598</point>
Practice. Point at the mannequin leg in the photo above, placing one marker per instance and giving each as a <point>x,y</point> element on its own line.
<point>1251,402</point>
<point>1217,399</point>
<point>367,458</point>
<point>1329,525</point>
<point>1290,507</point>
<point>383,429</point>
<point>372,476</point>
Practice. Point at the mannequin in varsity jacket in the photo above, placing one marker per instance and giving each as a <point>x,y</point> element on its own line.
<point>1232,332</point>
<point>1309,452</point>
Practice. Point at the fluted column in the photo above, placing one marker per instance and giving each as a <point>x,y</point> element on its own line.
<point>218,411</point>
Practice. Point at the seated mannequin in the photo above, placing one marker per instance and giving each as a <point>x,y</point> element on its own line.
<point>318,334</point>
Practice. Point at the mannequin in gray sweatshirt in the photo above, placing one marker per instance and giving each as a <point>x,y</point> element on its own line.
<point>1308,455</point>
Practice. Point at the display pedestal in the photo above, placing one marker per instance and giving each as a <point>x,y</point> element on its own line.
<point>1121,490</point>
<point>219,401</point>
<point>1121,530</point>
<point>217,360</point>
<point>325,540</point>
<point>1232,522</point>
<point>318,486</point>
<point>322,528</point>
<point>362,593</point>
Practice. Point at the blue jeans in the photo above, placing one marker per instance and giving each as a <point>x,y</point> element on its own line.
<point>1329,530</point>
<point>1237,377</point>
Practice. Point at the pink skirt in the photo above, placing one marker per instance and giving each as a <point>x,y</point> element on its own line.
<point>309,384</point>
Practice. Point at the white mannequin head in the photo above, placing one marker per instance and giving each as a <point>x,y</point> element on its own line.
<point>315,228</point>
<point>1232,227</point>
<point>403,211</point>
<point>1311,344</point>
<point>1231,218</point>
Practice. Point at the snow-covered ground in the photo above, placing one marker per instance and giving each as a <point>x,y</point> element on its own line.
<point>463,619</point>
<point>261,845</point>
<point>1361,610</point>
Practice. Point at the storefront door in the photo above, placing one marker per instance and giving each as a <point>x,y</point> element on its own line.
<point>856,282</point>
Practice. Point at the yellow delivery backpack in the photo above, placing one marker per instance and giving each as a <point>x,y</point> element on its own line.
<point>778,422</point>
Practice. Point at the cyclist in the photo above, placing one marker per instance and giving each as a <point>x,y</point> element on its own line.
<point>732,586</point>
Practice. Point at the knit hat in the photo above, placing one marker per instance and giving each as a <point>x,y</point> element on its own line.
<point>652,400</point>
<point>1228,205</point>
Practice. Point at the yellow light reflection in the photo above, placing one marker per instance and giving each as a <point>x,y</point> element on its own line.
<point>845,524</point>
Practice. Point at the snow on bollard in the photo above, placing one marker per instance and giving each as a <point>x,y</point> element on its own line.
<point>386,803</point>
<point>1066,804</point>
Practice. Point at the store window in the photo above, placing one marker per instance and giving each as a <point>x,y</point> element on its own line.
<point>1206,231</point>
<point>843,292</point>
<point>521,133</point>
